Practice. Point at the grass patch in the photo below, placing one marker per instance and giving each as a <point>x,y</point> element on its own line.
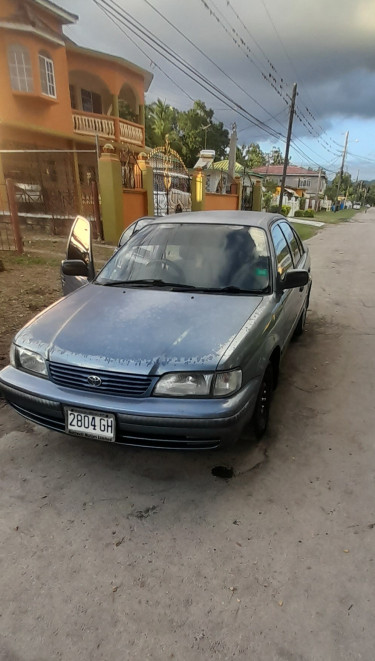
<point>28,260</point>
<point>334,217</point>
<point>305,231</point>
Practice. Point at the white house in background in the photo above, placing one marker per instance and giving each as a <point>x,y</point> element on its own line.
<point>306,183</point>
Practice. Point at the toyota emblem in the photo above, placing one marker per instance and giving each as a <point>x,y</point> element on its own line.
<point>94,380</point>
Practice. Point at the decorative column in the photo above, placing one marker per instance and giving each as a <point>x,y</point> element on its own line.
<point>198,190</point>
<point>110,182</point>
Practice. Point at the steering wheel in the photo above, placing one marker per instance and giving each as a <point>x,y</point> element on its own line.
<point>170,266</point>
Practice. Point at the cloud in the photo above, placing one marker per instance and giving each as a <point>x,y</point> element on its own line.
<point>326,47</point>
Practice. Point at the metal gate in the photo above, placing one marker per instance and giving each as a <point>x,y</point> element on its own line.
<point>46,188</point>
<point>172,182</point>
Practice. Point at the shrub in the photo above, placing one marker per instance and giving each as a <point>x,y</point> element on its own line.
<point>284,209</point>
<point>309,213</point>
<point>302,203</point>
<point>299,214</point>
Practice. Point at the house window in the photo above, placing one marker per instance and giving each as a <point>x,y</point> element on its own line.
<point>91,101</point>
<point>21,75</point>
<point>304,183</point>
<point>47,75</point>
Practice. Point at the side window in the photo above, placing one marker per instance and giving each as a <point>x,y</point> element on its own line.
<point>20,71</point>
<point>47,74</point>
<point>283,256</point>
<point>290,237</point>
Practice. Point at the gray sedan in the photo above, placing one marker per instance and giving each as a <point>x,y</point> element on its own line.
<point>176,343</point>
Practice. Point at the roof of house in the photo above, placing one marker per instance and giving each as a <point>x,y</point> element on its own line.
<point>65,16</point>
<point>291,170</point>
<point>147,75</point>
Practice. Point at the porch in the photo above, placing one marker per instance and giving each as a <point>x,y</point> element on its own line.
<point>108,127</point>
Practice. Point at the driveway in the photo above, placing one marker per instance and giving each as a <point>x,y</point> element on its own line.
<point>111,553</point>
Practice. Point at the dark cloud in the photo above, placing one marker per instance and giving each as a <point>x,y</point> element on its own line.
<point>326,46</point>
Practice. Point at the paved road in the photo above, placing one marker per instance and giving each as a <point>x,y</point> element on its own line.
<point>108,553</point>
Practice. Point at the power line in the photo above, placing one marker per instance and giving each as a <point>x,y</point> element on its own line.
<point>177,61</point>
<point>126,33</point>
<point>241,44</point>
<point>182,34</point>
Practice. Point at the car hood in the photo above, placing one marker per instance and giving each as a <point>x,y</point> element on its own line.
<point>144,331</point>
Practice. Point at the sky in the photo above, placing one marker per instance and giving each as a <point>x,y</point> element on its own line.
<point>246,49</point>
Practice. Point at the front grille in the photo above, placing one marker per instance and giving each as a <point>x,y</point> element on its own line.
<point>112,383</point>
<point>160,442</point>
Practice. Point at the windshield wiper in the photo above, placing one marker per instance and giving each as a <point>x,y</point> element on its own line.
<point>145,282</point>
<point>230,289</point>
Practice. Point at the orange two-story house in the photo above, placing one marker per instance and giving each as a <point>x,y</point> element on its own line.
<point>60,99</point>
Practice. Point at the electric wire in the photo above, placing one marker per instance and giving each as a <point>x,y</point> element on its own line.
<point>177,61</point>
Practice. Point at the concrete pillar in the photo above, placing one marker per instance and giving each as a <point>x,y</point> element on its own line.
<point>257,196</point>
<point>110,182</point>
<point>115,110</point>
<point>198,191</point>
<point>141,115</point>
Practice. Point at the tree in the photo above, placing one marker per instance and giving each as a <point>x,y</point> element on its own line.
<point>161,120</point>
<point>269,185</point>
<point>276,157</point>
<point>193,133</point>
<point>188,130</point>
<point>340,186</point>
<point>253,156</point>
<point>125,111</point>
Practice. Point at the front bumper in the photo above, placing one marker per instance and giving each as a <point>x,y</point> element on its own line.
<point>152,422</point>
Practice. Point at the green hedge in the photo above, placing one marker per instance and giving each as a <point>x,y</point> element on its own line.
<point>299,213</point>
<point>309,213</point>
<point>284,209</point>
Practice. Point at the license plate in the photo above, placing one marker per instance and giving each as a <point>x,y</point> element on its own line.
<point>91,424</point>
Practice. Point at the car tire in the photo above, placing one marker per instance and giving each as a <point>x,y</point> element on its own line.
<point>263,403</point>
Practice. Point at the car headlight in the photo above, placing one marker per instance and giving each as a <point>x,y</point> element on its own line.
<point>227,383</point>
<point>28,360</point>
<point>197,384</point>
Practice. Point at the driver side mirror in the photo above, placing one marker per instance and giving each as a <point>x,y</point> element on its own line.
<point>74,267</point>
<point>293,278</point>
<point>79,249</point>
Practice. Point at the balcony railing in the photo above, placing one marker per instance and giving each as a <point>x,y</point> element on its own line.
<point>108,127</point>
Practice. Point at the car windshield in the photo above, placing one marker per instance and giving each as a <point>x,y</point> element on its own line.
<point>196,256</point>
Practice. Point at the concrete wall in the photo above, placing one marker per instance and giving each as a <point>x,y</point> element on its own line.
<point>217,202</point>
<point>134,205</point>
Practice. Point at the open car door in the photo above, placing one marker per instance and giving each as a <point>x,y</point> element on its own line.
<point>78,267</point>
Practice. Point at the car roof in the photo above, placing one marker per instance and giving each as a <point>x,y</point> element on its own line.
<point>250,218</point>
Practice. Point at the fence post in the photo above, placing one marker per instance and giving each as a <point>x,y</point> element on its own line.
<point>14,215</point>
<point>95,200</point>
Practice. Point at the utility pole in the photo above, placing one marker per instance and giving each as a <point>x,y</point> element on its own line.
<point>341,173</point>
<point>318,190</point>
<point>286,157</point>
